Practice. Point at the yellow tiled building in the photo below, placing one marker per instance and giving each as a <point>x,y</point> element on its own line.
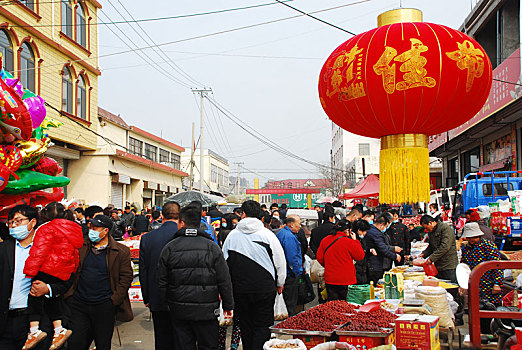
<point>52,46</point>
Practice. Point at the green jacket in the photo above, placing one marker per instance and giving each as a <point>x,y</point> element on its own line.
<point>442,250</point>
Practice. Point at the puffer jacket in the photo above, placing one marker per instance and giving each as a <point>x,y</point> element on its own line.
<point>55,249</point>
<point>377,240</point>
<point>192,274</point>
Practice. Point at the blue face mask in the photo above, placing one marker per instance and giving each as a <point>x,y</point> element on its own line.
<point>224,225</point>
<point>94,236</point>
<point>370,222</point>
<point>395,221</point>
<point>19,232</point>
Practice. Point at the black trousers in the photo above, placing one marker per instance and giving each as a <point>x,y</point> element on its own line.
<point>374,275</point>
<point>91,322</point>
<point>290,294</point>
<point>256,312</point>
<point>205,333</point>
<point>16,329</point>
<point>336,292</point>
<point>53,307</point>
<point>164,336</point>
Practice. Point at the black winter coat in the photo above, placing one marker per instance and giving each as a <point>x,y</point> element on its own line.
<point>361,266</point>
<point>319,233</point>
<point>400,237</point>
<point>141,224</point>
<point>192,274</point>
<point>377,240</point>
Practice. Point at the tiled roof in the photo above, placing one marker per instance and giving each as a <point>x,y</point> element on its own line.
<point>113,118</point>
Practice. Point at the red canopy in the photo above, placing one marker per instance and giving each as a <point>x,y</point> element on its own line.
<point>367,188</point>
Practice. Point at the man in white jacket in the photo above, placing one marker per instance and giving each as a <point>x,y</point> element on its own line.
<point>257,266</point>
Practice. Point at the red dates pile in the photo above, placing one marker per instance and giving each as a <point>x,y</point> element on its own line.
<point>322,318</point>
<point>370,321</point>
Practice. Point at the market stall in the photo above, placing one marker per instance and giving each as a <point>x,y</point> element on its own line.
<point>408,310</point>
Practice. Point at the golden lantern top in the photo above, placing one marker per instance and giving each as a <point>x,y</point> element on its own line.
<point>399,16</point>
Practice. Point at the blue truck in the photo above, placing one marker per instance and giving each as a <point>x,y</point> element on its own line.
<point>483,188</point>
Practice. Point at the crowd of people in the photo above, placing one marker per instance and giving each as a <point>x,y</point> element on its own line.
<point>66,277</point>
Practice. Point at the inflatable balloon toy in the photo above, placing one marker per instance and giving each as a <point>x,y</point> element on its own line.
<point>16,85</point>
<point>8,201</point>
<point>15,118</point>
<point>32,150</point>
<point>47,166</point>
<point>36,107</point>
<point>30,181</point>
<point>10,161</point>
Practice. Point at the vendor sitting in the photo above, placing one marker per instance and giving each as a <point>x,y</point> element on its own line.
<point>477,250</point>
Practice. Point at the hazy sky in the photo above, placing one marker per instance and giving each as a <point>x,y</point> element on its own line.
<point>266,75</point>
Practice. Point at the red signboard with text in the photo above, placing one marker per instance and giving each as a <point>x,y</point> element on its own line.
<point>501,93</point>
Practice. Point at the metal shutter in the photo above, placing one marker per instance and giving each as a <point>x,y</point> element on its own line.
<point>117,195</point>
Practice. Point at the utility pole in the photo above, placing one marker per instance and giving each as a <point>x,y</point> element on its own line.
<point>238,178</point>
<point>202,93</point>
<point>192,149</point>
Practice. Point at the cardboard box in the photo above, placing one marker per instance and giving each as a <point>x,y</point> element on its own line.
<point>312,340</point>
<point>417,332</point>
<point>364,343</point>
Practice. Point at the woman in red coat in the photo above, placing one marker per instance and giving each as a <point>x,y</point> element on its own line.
<point>53,257</point>
<point>337,253</point>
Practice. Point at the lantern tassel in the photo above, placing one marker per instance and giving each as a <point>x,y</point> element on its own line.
<point>404,169</point>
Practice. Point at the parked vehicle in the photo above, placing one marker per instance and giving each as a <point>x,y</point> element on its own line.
<point>483,188</point>
<point>444,198</point>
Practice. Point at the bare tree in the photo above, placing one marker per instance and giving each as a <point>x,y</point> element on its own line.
<point>335,176</point>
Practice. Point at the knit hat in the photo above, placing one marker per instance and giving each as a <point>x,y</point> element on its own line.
<point>474,217</point>
<point>472,229</point>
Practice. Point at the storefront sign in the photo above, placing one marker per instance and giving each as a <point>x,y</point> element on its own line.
<point>295,200</point>
<point>435,141</point>
<point>501,93</point>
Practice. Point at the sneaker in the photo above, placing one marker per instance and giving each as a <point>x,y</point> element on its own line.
<point>33,339</point>
<point>60,338</point>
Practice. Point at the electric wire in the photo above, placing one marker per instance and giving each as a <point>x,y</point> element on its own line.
<point>153,19</point>
<point>144,56</point>
<point>171,63</point>
<point>316,18</point>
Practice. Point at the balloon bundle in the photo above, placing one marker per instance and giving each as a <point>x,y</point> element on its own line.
<point>26,175</point>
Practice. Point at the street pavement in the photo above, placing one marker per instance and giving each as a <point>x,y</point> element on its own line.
<point>137,334</point>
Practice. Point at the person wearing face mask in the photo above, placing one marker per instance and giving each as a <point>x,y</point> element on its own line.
<point>337,253</point>
<point>15,287</point>
<point>99,294</point>
<point>52,258</point>
<point>442,248</point>
<point>378,243</point>
<point>434,212</point>
<point>369,216</point>
<point>399,235</point>
<point>361,227</point>
<point>478,250</point>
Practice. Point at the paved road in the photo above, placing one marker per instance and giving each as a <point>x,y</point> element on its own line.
<point>137,334</point>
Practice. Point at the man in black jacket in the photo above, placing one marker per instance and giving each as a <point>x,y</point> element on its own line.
<point>15,287</point>
<point>151,245</point>
<point>192,275</point>
<point>399,235</point>
<point>322,231</point>
<point>376,241</point>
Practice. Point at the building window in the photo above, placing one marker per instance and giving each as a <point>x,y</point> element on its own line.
<point>67,18</point>
<point>175,159</point>
<point>364,149</point>
<point>6,48</point>
<point>67,90</point>
<point>81,28</point>
<point>27,73</point>
<point>213,173</point>
<point>164,156</point>
<point>81,99</point>
<point>28,3</point>
<point>135,146</point>
<point>151,152</point>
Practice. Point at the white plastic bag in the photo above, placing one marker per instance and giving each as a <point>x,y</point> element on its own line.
<point>280,311</point>
<point>296,344</point>
<point>223,321</point>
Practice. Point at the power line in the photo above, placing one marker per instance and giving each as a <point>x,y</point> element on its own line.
<point>316,18</point>
<point>153,19</point>
<point>169,60</point>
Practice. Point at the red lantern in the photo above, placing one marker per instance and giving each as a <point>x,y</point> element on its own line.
<point>401,82</point>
